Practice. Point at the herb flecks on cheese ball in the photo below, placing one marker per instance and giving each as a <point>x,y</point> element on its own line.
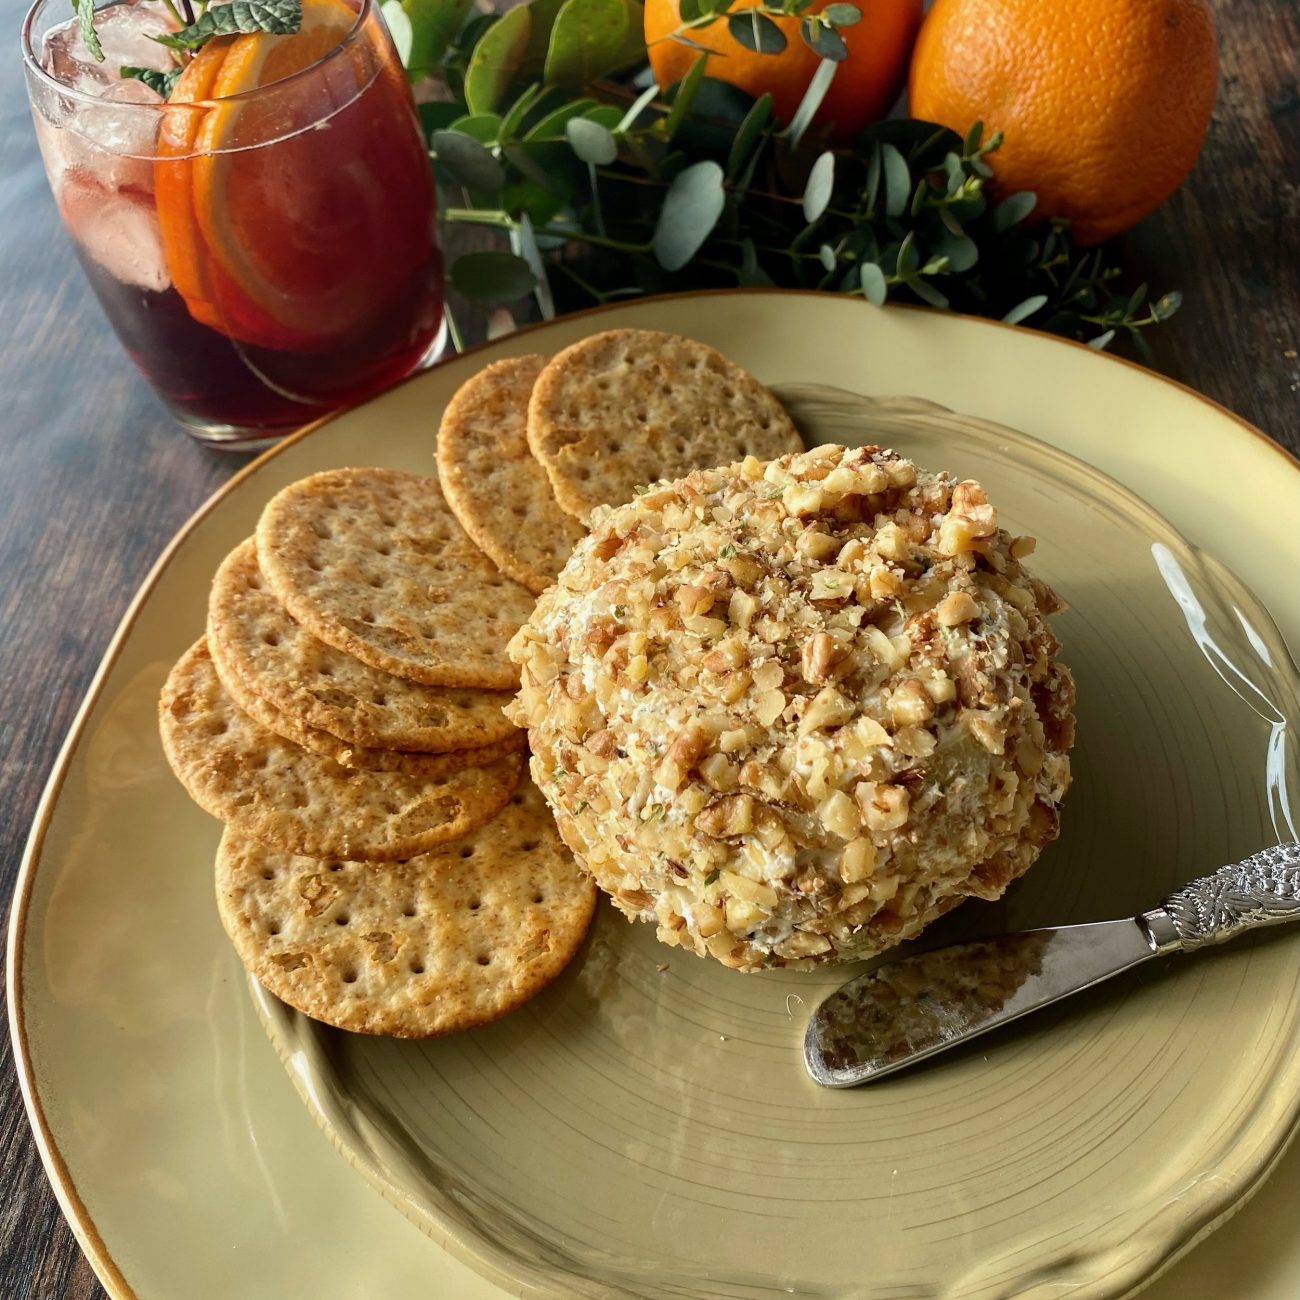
<point>791,712</point>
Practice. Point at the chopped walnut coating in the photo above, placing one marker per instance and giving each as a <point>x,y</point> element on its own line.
<point>792,711</point>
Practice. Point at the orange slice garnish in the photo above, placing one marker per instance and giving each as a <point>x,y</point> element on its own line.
<point>276,208</point>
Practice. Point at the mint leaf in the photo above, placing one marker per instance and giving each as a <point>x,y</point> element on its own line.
<point>279,17</point>
<point>161,83</point>
<point>85,10</point>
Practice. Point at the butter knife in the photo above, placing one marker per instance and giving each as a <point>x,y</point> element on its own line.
<point>912,1008</point>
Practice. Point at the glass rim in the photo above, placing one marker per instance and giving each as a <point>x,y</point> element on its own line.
<point>34,67</point>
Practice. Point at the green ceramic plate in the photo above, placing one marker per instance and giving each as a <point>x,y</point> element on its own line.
<point>645,1128</point>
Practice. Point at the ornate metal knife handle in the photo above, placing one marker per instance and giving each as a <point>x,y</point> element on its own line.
<point>1263,890</point>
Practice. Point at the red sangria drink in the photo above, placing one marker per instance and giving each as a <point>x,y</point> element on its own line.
<point>254,208</point>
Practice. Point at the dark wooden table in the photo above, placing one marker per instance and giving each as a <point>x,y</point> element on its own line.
<point>94,478</point>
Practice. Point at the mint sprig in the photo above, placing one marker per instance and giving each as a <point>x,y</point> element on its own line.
<point>85,11</point>
<point>239,17</point>
<point>161,83</point>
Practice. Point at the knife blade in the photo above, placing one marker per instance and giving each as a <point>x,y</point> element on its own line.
<point>912,1008</point>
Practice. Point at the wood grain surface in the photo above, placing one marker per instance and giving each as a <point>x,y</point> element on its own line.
<point>94,478</point>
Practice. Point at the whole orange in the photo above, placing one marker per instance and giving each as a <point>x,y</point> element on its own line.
<point>866,82</point>
<point>1104,103</point>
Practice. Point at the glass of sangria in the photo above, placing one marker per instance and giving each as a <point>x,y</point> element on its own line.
<point>256,215</point>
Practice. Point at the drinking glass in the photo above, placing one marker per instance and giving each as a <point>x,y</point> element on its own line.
<point>265,252</point>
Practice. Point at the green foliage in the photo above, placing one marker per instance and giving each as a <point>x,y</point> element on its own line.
<point>604,185</point>
<point>160,83</point>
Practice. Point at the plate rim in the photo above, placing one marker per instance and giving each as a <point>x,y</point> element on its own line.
<point>74,1209</point>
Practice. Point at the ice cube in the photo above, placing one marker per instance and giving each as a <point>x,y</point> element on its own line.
<point>116,228</point>
<point>124,33</point>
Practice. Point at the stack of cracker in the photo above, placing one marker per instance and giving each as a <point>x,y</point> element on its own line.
<point>383,869</point>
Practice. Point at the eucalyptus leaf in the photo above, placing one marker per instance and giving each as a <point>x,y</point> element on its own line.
<point>496,59</point>
<point>513,118</point>
<point>955,172</point>
<point>871,185</point>
<point>744,146</point>
<point>826,255</point>
<point>819,84</point>
<point>756,32</point>
<point>824,41</point>
<point>399,28</point>
<point>466,160</point>
<point>872,280</point>
<point>552,126</point>
<point>277,17</point>
<point>960,251</point>
<point>1100,342</point>
<point>483,127</point>
<point>691,209</point>
<point>898,180</point>
<point>928,293</point>
<point>908,260</point>
<point>1166,305</point>
<point>689,11</point>
<point>821,185</point>
<point>1136,299</point>
<point>492,277</point>
<point>971,143</point>
<point>592,142</point>
<point>685,92</point>
<point>1023,310</point>
<point>1013,209</point>
<point>524,244</point>
<point>587,41</point>
<point>433,25</point>
<point>842,15</point>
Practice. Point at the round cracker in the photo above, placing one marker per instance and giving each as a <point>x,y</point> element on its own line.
<point>448,940</point>
<point>493,482</point>
<point>254,636</point>
<point>628,407</point>
<point>374,562</point>
<point>431,766</point>
<point>271,790</point>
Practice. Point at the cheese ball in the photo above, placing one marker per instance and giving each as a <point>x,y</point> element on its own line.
<point>791,712</point>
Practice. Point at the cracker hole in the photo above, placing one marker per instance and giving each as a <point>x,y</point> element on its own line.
<point>349,977</point>
<point>383,549</point>
<point>616,447</point>
<point>342,920</point>
<point>417,968</point>
<point>467,851</point>
<point>679,447</point>
<point>268,875</point>
<point>408,911</point>
<point>484,959</point>
<point>528,846</point>
<point>368,617</point>
<point>325,670</point>
<point>336,866</point>
<point>374,581</point>
<point>380,699</point>
<point>322,532</point>
<point>537,898</point>
<point>517,799</point>
<point>273,928</point>
<point>270,638</point>
<point>315,565</point>
<point>475,904</point>
<point>584,473</point>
